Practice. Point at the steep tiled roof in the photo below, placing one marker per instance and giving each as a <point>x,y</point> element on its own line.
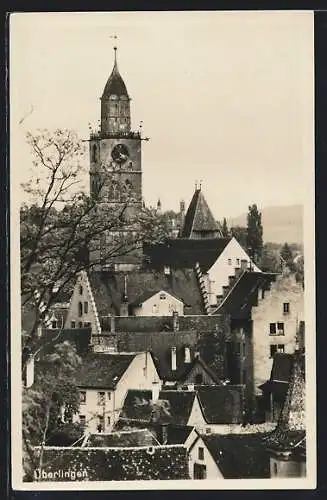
<point>199,221</point>
<point>221,404</point>
<point>147,295</point>
<point>185,253</point>
<point>280,374</point>
<point>290,430</point>
<point>137,437</point>
<point>118,464</point>
<point>103,370</point>
<point>241,456</point>
<point>108,288</point>
<point>176,407</point>
<point>244,294</point>
<point>198,361</point>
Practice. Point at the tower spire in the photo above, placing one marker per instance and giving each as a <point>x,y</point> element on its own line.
<point>115,59</point>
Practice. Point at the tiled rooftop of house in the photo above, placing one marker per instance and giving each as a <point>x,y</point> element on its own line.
<point>109,288</point>
<point>243,295</point>
<point>103,370</point>
<point>222,404</point>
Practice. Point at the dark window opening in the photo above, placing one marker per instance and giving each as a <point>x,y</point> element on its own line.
<point>280,328</point>
<point>82,420</point>
<point>272,328</point>
<point>94,153</point>
<point>80,324</point>
<point>86,307</point>
<point>200,471</point>
<point>286,307</point>
<point>80,309</point>
<point>201,453</point>
<point>80,290</point>
<point>73,324</point>
<point>273,350</point>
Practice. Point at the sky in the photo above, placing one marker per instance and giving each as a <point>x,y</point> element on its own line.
<point>225,97</point>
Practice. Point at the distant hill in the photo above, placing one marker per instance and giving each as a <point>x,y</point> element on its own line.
<point>280,224</point>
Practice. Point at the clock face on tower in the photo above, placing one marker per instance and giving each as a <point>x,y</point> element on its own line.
<point>120,153</point>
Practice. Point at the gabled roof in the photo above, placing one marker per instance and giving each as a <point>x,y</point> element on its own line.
<point>222,404</point>
<point>243,295</point>
<point>137,437</point>
<point>280,374</point>
<point>103,370</point>
<point>181,253</point>
<point>147,295</point>
<point>118,464</point>
<point>198,361</point>
<point>108,288</point>
<point>176,409</point>
<point>239,456</point>
<point>199,221</point>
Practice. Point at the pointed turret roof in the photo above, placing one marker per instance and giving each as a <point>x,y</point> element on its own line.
<point>290,430</point>
<point>199,221</point>
<point>115,84</point>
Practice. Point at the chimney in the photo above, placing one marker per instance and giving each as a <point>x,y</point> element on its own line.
<point>164,433</point>
<point>244,265</point>
<point>30,371</point>
<point>155,391</point>
<point>112,324</point>
<point>175,321</point>
<point>173,359</point>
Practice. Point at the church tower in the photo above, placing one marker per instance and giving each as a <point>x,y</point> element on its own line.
<point>115,153</point>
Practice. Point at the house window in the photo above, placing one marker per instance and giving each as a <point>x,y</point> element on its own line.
<point>280,328</point>
<point>280,348</point>
<point>87,324</point>
<point>101,400</point>
<point>80,290</point>
<point>155,309</point>
<point>80,309</point>
<point>109,396</point>
<point>262,293</point>
<point>238,262</point>
<point>187,355</point>
<point>286,307</point>
<point>201,453</point>
<point>162,296</point>
<point>86,307</point>
<point>198,378</point>
<point>229,261</point>
<point>54,324</point>
<point>272,328</point>
<point>73,324</point>
<point>108,420</point>
<point>100,423</point>
<point>82,397</point>
<point>82,420</point>
<point>94,153</point>
<point>275,469</point>
<point>273,350</point>
<point>80,324</point>
<point>199,471</point>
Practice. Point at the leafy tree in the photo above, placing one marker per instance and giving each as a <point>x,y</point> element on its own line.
<point>224,228</point>
<point>286,253</point>
<point>240,234</point>
<point>254,237</point>
<point>210,346</point>
<point>299,271</point>
<point>50,402</point>
<point>61,225</point>
<point>269,259</point>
